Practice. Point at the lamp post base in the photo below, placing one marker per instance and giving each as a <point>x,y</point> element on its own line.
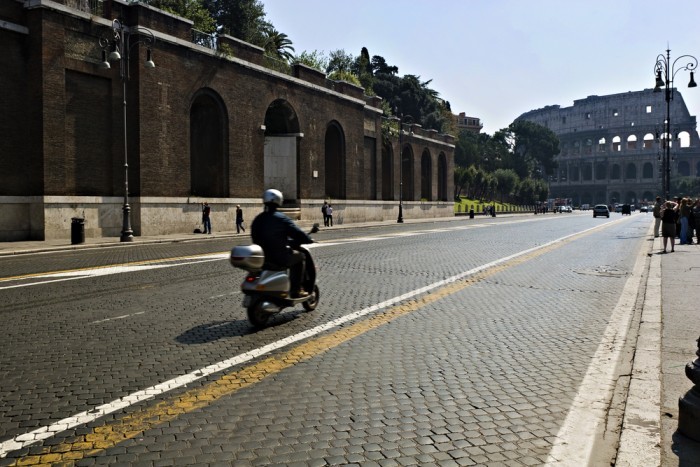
<point>127,233</point>
<point>400,219</point>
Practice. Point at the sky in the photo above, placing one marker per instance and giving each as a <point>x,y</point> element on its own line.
<point>497,59</point>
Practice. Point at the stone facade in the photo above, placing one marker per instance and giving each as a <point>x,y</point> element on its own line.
<point>207,123</point>
<point>612,146</point>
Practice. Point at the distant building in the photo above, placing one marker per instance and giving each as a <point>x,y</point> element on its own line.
<point>468,123</point>
<point>612,146</point>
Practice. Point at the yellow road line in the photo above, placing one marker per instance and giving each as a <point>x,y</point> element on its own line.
<point>133,424</point>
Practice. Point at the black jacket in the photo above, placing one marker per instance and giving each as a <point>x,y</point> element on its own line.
<point>274,232</point>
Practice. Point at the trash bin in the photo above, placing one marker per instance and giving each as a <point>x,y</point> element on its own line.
<point>77,230</point>
<point>471,213</point>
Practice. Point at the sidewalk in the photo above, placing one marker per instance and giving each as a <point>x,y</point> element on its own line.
<point>667,341</point>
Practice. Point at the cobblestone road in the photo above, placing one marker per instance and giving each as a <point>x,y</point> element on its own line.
<point>480,368</point>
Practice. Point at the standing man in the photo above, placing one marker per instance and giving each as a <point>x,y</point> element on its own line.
<point>239,219</point>
<point>324,211</point>
<point>657,216</point>
<point>206,220</point>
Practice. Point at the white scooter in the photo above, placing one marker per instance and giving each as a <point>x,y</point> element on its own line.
<point>267,286</point>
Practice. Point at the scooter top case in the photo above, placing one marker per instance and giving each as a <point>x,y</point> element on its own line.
<point>248,257</point>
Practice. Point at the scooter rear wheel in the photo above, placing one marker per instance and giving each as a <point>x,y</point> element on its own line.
<point>311,303</point>
<point>256,315</point>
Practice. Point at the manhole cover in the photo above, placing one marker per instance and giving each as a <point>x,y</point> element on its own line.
<point>607,271</point>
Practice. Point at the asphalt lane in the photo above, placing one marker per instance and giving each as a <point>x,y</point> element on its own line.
<point>474,376</point>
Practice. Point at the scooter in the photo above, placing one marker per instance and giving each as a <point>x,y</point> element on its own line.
<point>267,286</point>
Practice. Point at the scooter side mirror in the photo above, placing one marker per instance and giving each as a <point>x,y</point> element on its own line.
<point>314,229</point>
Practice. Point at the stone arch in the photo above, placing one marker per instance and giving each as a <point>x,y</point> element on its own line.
<point>647,170</point>
<point>587,172</point>
<point>280,159</point>
<point>588,149</point>
<point>601,171</point>
<point>615,173</point>
<point>648,141</point>
<point>683,169</point>
<point>602,145</point>
<point>387,171</point>
<point>442,177</point>
<point>631,171</point>
<point>631,142</point>
<point>209,164</point>
<point>648,196</point>
<point>426,176</point>
<point>574,173</point>
<point>406,161</point>
<point>616,146</point>
<point>335,161</point>
<point>630,197</point>
<point>614,198</point>
<point>684,139</point>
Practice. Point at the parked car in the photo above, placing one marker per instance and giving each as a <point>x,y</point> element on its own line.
<point>601,210</point>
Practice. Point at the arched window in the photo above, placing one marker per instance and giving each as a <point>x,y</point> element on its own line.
<point>335,161</point>
<point>631,142</point>
<point>426,176</point>
<point>602,145</point>
<point>442,177</point>
<point>387,171</point>
<point>601,171</point>
<point>208,145</point>
<point>631,171</point>
<point>648,141</point>
<point>648,170</point>
<point>616,144</point>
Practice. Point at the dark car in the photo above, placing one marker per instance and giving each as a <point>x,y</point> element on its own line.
<point>601,210</point>
<point>626,209</point>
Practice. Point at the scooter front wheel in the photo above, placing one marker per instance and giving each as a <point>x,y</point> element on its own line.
<point>256,315</point>
<point>312,302</point>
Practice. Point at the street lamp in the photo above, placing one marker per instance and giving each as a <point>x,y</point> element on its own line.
<point>118,47</point>
<point>665,72</point>
<point>401,119</point>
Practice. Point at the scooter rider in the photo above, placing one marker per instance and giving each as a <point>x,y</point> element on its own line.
<point>272,230</point>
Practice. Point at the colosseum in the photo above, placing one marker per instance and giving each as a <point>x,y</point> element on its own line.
<point>612,146</point>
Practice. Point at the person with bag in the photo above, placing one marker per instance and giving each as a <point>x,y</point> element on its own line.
<point>669,215</point>
<point>239,219</point>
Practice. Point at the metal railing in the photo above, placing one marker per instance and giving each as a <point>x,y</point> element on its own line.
<point>204,39</point>
<point>94,7</point>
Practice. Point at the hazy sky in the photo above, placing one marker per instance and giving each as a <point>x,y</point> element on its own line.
<point>496,59</point>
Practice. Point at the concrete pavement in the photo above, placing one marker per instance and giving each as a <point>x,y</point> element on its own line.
<point>666,342</point>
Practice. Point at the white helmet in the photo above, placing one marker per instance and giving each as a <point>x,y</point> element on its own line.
<point>273,197</point>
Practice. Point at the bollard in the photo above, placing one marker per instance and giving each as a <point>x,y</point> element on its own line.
<point>77,230</point>
<point>689,404</point>
<point>471,213</point>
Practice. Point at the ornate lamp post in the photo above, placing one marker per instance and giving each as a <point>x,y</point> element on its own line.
<point>665,71</point>
<point>401,119</point>
<point>118,47</point>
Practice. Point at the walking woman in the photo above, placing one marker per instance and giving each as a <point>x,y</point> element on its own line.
<point>684,212</point>
<point>669,213</point>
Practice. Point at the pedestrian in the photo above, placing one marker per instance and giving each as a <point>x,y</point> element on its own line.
<point>324,211</point>
<point>206,219</point>
<point>239,219</point>
<point>329,215</point>
<point>684,213</point>
<point>657,216</point>
<point>668,224</point>
<point>696,221</point>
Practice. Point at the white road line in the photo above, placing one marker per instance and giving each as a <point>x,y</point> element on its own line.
<point>585,421</point>
<point>117,317</point>
<point>91,415</point>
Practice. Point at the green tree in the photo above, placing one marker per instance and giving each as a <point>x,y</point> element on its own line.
<point>507,181</point>
<point>278,45</point>
<point>193,10</point>
<point>314,59</point>
<point>243,19</point>
<point>533,148</point>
